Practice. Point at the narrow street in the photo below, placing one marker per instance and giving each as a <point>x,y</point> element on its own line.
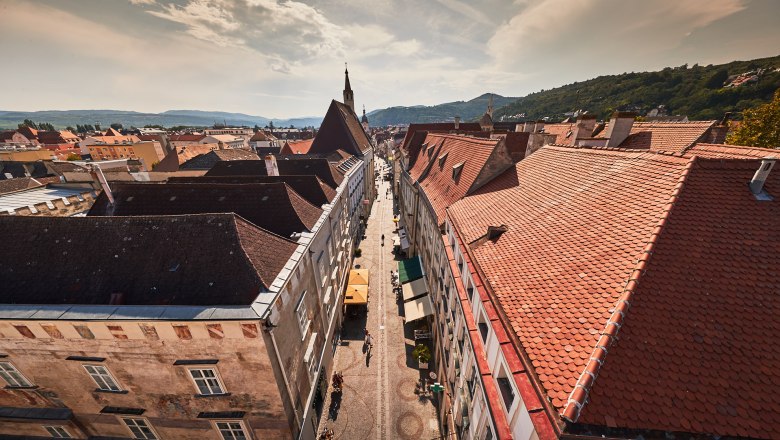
<point>378,400</point>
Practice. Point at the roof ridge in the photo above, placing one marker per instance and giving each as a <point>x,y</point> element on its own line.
<point>579,394</point>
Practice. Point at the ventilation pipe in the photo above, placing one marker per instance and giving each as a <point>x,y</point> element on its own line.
<point>759,179</point>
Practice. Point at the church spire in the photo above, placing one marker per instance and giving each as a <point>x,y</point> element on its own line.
<point>349,97</point>
<point>364,119</point>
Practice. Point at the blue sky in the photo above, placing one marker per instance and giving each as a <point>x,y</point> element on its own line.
<point>285,58</point>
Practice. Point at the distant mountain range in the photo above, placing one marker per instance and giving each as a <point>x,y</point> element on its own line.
<point>699,92</point>
<point>467,110</point>
<point>170,118</point>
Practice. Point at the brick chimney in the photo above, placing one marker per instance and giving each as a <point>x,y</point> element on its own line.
<point>619,128</point>
<point>271,168</point>
<point>584,127</point>
<point>457,122</point>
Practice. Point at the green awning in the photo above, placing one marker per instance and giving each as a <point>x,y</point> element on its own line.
<point>409,269</point>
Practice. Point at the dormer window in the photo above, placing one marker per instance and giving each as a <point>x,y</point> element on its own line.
<point>456,169</point>
<point>443,158</point>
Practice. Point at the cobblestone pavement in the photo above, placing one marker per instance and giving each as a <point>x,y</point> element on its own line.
<point>378,401</point>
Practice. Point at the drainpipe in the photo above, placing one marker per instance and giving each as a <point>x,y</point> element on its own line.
<point>284,376</point>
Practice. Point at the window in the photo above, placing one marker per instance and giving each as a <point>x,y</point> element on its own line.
<point>302,313</point>
<point>207,381</point>
<point>506,388</point>
<point>140,428</point>
<point>57,431</point>
<point>231,430</point>
<point>456,169</point>
<point>483,330</point>
<point>102,377</point>
<point>12,376</point>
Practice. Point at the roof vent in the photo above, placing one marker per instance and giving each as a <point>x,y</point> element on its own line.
<point>456,169</point>
<point>758,180</point>
<point>494,232</point>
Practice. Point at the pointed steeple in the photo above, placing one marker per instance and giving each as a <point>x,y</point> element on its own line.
<point>364,119</point>
<point>349,97</point>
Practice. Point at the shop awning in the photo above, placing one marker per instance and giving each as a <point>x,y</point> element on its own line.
<point>418,308</point>
<point>356,294</point>
<point>414,289</point>
<point>409,269</point>
<point>358,276</point>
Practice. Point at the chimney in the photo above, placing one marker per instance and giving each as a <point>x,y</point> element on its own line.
<point>619,128</point>
<point>539,127</point>
<point>758,180</point>
<point>457,122</point>
<point>97,175</point>
<point>584,128</point>
<point>494,232</point>
<point>528,127</point>
<point>271,168</point>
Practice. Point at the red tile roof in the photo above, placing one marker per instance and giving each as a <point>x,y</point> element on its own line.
<point>716,151</point>
<point>664,136</point>
<point>340,129</point>
<point>186,137</point>
<point>297,147</point>
<point>576,250</point>
<point>434,168</point>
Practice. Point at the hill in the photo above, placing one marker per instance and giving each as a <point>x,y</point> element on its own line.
<point>170,118</point>
<point>696,91</point>
<point>467,110</point>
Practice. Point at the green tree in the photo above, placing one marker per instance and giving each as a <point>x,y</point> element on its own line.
<point>70,129</point>
<point>28,123</point>
<point>760,126</point>
<point>73,156</point>
<point>116,126</point>
<point>717,79</point>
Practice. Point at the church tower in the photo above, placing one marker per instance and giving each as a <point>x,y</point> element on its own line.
<point>364,120</point>
<point>349,98</point>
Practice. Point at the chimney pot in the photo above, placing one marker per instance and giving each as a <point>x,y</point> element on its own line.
<point>271,167</point>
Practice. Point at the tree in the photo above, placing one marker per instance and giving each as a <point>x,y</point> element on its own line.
<point>28,123</point>
<point>717,79</point>
<point>271,125</point>
<point>70,129</point>
<point>116,126</point>
<point>73,156</point>
<point>760,126</point>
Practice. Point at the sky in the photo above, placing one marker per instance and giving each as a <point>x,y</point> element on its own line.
<point>285,58</point>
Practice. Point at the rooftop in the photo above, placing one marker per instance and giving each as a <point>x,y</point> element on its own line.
<point>274,207</point>
<point>288,165</point>
<point>206,161</point>
<point>682,241</point>
<point>148,260</point>
<point>310,187</point>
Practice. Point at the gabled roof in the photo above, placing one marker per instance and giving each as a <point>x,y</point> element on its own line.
<point>272,206</point>
<point>310,187</point>
<point>112,132</point>
<point>262,136</point>
<point>676,251</point>
<point>210,259</point>
<point>297,147</point>
<point>57,137</point>
<point>23,169</point>
<point>29,133</point>
<point>340,129</point>
<point>289,165</point>
<point>17,184</point>
<point>449,171</point>
<point>206,161</point>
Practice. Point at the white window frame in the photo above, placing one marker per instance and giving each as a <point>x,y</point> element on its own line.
<point>220,385</point>
<point>12,376</point>
<point>105,376</point>
<point>240,424</point>
<point>302,313</point>
<point>56,431</point>
<point>140,422</point>
<point>502,372</point>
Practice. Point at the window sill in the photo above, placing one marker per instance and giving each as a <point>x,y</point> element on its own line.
<point>206,396</point>
<point>98,390</point>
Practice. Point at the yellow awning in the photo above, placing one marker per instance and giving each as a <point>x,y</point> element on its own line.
<point>358,276</point>
<point>418,308</point>
<point>415,288</point>
<point>356,294</point>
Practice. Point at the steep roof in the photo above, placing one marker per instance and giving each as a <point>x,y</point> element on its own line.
<point>186,137</point>
<point>272,206</point>
<point>340,129</point>
<point>17,184</point>
<point>682,241</point>
<point>289,165</point>
<point>664,135</point>
<point>262,136</point>
<point>448,168</point>
<point>297,147</point>
<point>206,161</point>
<point>57,137</point>
<point>210,259</point>
<point>310,187</point>
<point>23,169</point>
<point>695,352</point>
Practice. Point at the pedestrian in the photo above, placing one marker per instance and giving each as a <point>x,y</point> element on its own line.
<point>368,340</point>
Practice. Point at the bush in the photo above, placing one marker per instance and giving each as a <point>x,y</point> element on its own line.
<point>358,252</point>
<point>422,352</point>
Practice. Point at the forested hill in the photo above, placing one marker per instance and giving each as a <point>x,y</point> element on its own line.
<point>467,110</point>
<point>700,92</point>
